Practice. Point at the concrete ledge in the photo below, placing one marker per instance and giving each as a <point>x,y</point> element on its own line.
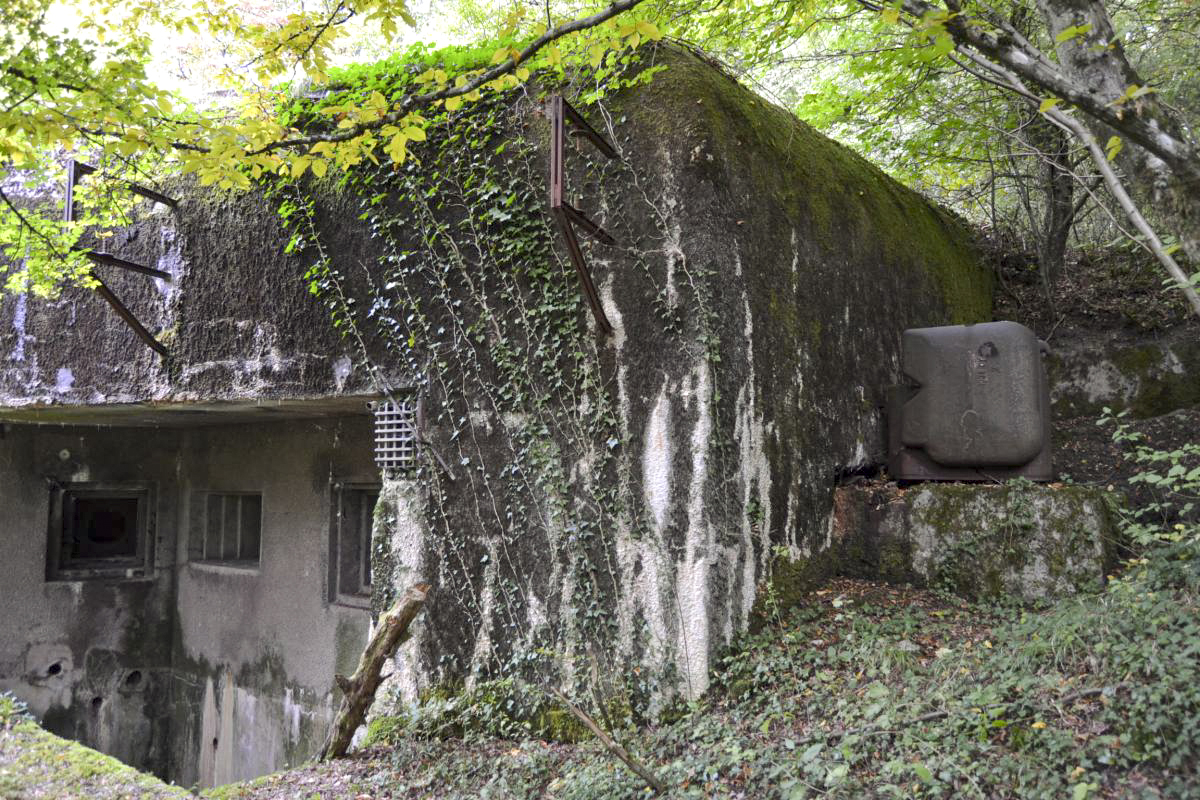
<point>1017,540</point>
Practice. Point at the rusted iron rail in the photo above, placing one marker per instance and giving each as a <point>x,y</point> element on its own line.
<point>124,313</point>
<point>565,214</point>
<point>108,259</point>
<point>76,171</point>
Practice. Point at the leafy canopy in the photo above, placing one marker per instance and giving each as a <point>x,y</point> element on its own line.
<point>86,92</point>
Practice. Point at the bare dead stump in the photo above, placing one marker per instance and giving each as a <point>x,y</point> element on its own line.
<point>358,691</point>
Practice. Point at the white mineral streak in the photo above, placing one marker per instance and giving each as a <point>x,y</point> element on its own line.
<point>407,503</point>
<point>656,461</point>
<point>18,323</point>
<point>656,487</point>
<point>171,261</point>
<point>755,468</point>
<point>1172,363</point>
<point>691,589</point>
<point>672,234</point>
<point>638,558</point>
<point>342,368</point>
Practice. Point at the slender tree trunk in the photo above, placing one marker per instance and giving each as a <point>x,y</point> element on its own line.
<point>1059,213</point>
<point>1052,146</point>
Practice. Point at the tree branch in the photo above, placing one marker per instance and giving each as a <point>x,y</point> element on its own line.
<point>652,780</point>
<point>413,101</point>
<point>1032,65</point>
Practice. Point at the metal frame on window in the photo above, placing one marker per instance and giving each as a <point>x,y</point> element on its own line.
<point>199,530</point>
<point>60,566</point>
<point>347,529</point>
<point>397,434</point>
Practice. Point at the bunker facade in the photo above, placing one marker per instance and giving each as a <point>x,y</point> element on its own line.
<point>195,538</point>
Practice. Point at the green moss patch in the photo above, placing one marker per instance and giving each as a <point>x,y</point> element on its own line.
<point>37,764</point>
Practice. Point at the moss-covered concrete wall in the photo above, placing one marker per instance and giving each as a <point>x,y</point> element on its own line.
<point>1018,541</point>
<point>762,278</point>
<point>1147,377</point>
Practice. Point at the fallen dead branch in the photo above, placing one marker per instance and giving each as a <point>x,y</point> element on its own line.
<point>358,691</point>
<point>612,745</point>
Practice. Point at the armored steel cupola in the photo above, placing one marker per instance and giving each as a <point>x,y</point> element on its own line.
<point>975,406</point>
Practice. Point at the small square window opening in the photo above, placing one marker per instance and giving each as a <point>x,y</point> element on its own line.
<point>396,435</point>
<point>98,531</point>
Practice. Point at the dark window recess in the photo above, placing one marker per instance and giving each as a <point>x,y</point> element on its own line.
<point>231,531</point>
<point>350,554</point>
<point>98,531</point>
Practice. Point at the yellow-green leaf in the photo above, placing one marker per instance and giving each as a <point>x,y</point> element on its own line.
<point>649,30</point>
<point>1113,148</point>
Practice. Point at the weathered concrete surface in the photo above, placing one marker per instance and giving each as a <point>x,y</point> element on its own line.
<point>234,666</point>
<point>1148,377</point>
<point>763,278</point>
<point>1015,541</point>
<point>237,318</point>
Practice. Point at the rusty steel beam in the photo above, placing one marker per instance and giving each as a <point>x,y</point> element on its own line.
<point>108,259</point>
<point>76,170</point>
<point>124,313</point>
<point>150,194</point>
<point>589,227</point>
<point>565,214</point>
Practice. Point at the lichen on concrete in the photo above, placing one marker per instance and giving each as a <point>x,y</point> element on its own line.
<point>1017,541</point>
<point>1147,378</point>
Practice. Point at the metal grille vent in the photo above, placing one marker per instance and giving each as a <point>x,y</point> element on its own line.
<point>396,435</point>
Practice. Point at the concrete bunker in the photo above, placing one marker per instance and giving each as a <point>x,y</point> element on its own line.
<point>582,503</point>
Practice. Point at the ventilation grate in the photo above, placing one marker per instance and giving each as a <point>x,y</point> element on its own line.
<point>396,435</point>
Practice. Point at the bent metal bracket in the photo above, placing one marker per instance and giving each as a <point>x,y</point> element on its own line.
<point>565,214</point>
<point>76,170</point>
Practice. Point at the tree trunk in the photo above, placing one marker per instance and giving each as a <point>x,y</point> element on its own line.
<point>1097,61</point>
<point>359,689</point>
<point>1058,187</point>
